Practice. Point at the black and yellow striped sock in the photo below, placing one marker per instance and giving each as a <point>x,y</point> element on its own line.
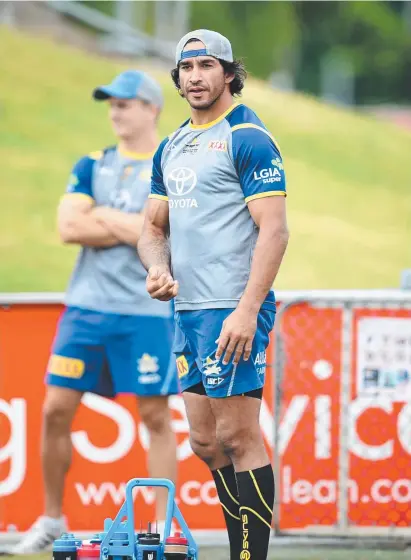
<point>226,484</point>
<point>256,489</point>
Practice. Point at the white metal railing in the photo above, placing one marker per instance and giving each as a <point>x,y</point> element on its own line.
<point>128,38</point>
<point>283,296</point>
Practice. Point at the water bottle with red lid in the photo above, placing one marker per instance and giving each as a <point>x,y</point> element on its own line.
<point>88,551</point>
<point>176,547</point>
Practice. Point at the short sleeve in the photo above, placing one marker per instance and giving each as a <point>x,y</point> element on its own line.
<point>258,163</point>
<point>80,180</point>
<point>158,189</point>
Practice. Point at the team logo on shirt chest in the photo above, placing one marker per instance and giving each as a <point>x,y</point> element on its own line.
<point>192,146</point>
<point>180,182</point>
<point>217,145</point>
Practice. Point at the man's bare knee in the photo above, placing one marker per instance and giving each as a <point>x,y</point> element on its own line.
<point>155,414</point>
<point>56,419</point>
<point>238,431</point>
<point>235,442</point>
<point>204,447</point>
<point>59,408</point>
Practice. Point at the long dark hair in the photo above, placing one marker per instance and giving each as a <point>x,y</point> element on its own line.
<point>236,67</point>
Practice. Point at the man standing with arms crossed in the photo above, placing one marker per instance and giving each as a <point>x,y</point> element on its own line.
<point>214,236</point>
<point>112,338</point>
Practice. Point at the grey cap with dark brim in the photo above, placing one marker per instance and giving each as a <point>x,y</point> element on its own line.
<point>215,45</point>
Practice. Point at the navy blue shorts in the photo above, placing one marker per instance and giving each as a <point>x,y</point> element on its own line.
<point>195,345</point>
<point>108,354</point>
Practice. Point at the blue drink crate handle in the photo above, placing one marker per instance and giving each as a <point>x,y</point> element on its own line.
<point>127,511</point>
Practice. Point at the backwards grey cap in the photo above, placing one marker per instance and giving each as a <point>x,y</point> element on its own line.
<point>131,84</point>
<point>215,45</point>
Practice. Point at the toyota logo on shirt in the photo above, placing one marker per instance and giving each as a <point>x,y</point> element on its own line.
<point>181,180</point>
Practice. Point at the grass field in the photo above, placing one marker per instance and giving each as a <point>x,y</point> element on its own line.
<point>286,554</point>
<point>349,176</point>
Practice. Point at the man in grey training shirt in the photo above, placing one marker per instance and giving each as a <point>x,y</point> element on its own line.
<point>112,338</point>
<point>214,236</point>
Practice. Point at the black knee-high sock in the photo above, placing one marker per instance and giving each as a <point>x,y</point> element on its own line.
<point>226,484</point>
<point>256,489</point>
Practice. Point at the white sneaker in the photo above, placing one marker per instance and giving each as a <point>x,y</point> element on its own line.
<point>40,536</point>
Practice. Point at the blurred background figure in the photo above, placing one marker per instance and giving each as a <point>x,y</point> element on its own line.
<point>112,338</point>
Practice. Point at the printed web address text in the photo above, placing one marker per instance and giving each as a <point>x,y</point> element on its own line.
<point>297,491</point>
<point>191,493</point>
<point>325,491</point>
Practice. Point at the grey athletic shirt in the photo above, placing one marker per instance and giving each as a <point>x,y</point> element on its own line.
<point>112,280</point>
<point>208,174</point>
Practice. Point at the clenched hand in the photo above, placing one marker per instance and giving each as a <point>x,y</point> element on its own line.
<point>160,284</point>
